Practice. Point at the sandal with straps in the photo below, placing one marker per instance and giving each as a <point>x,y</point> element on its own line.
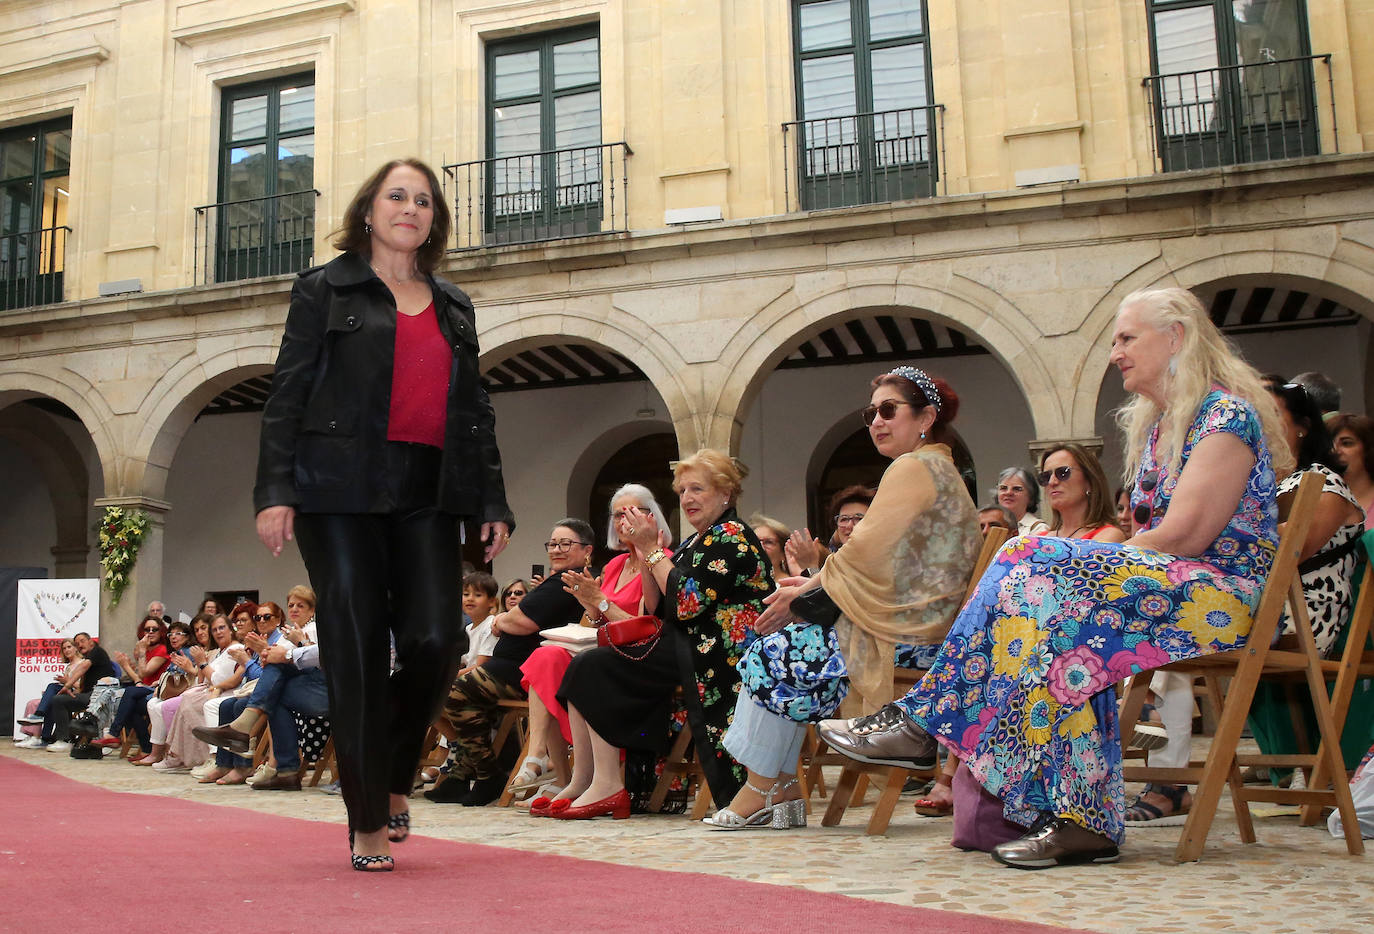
<point>782,816</point>
<point>929,807</point>
<point>398,827</point>
<point>369,863</point>
<point>1141,813</point>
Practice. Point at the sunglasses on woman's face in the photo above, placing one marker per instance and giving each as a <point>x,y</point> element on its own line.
<point>264,617</point>
<point>150,629</point>
<point>887,409</point>
<point>1059,473</point>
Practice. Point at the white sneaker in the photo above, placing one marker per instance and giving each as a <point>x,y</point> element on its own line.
<point>265,773</point>
<point>60,746</point>
<point>203,769</point>
<point>30,721</point>
<point>33,742</point>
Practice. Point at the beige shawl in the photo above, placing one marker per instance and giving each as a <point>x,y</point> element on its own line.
<point>902,575</point>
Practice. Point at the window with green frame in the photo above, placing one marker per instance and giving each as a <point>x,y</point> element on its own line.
<point>35,184</point>
<point>265,222</point>
<point>544,151</point>
<point>864,128</point>
<point>1232,81</point>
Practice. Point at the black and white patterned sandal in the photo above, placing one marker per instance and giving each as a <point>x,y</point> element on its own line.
<point>398,827</point>
<point>369,863</point>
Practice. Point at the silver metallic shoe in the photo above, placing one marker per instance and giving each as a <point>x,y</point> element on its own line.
<point>781,816</point>
<point>887,737</point>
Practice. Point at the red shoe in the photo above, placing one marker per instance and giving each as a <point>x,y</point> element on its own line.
<point>106,741</point>
<point>616,806</point>
<point>539,807</point>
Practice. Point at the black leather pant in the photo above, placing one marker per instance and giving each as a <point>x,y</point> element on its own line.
<point>400,574</point>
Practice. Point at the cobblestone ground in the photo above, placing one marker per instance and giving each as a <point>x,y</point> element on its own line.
<point>1294,879</point>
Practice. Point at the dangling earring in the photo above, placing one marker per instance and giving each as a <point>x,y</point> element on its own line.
<point>367,228</point>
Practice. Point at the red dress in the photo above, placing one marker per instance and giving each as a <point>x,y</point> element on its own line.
<point>543,671</point>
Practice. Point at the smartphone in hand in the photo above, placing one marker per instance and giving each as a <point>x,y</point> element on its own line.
<point>536,570</point>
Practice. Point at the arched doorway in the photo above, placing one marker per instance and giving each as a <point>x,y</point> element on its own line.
<point>47,460</point>
<point>802,436</point>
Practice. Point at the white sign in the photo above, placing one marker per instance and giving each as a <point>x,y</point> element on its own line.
<point>49,611</point>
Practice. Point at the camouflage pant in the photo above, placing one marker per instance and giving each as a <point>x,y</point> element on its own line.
<point>473,710</point>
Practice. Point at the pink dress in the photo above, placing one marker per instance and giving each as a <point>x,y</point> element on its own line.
<point>543,671</point>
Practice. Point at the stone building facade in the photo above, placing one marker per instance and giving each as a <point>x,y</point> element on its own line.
<point>684,224</point>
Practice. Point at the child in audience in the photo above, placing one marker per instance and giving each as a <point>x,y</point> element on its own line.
<point>479,603</point>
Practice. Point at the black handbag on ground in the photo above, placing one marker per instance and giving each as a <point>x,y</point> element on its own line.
<point>815,606</point>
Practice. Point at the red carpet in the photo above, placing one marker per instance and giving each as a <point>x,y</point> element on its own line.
<point>150,865</point>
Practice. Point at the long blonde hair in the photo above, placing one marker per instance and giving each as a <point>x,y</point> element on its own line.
<point>1204,359</point>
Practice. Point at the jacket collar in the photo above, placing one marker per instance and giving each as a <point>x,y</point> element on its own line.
<point>350,269</point>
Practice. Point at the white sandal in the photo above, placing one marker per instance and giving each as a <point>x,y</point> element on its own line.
<point>534,773</point>
<point>781,816</point>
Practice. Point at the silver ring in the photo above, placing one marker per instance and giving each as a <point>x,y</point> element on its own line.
<point>576,587</point>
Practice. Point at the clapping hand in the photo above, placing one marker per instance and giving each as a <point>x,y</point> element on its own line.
<point>802,551</point>
<point>255,642</point>
<point>585,589</point>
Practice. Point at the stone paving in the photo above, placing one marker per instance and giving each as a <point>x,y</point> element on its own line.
<point>1295,879</point>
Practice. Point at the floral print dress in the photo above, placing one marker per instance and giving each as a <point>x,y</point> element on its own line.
<point>1023,688</point>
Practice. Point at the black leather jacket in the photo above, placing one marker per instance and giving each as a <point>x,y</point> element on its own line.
<point>324,426</point>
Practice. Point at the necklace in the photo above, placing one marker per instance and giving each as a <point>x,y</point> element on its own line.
<point>383,276</point>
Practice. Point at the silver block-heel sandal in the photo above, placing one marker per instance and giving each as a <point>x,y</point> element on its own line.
<point>769,817</point>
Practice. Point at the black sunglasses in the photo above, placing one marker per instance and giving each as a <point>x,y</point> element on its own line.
<point>264,617</point>
<point>152,628</point>
<point>888,410</point>
<point>1145,511</point>
<point>1059,473</point>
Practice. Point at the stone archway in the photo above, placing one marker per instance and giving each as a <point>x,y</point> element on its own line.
<point>64,472</point>
<point>1285,260</point>
<point>971,309</point>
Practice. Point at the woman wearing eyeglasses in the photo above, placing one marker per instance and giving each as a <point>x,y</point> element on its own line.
<point>1079,495</point>
<point>1018,491</point>
<point>513,593</point>
<point>1022,690</point>
<point>897,583</point>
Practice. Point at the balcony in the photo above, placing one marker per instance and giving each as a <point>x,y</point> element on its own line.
<point>31,267</point>
<point>1238,113</point>
<point>539,196</point>
<point>255,237</point>
<point>867,158</point>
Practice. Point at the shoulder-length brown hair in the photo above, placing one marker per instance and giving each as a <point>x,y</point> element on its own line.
<point>353,237</point>
<point>1101,505</point>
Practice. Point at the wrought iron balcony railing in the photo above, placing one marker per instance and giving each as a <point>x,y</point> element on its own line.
<point>550,195</point>
<point>891,155</point>
<point>31,267</point>
<point>1238,113</point>
<point>255,237</point>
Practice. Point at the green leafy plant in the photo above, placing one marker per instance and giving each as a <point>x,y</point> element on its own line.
<point>121,533</point>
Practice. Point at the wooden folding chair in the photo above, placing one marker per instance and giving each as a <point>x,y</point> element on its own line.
<point>681,762</point>
<point>515,718</point>
<point>1244,667</point>
<point>324,763</point>
<point>893,778</point>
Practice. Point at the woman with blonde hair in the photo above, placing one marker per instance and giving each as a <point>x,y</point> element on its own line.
<point>708,595</point>
<point>1022,690</point>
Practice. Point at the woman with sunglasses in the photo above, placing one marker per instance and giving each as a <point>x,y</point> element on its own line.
<point>144,668</point>
<point>1073,480</point>
<point>1023,689</point>
<point>217,673</point>
<point>897,583</point>
<point>513,593</point>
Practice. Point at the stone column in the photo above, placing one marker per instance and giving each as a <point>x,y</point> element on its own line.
<point>145,581</point>
<point>70,561</point>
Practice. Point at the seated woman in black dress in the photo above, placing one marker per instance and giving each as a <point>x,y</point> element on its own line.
<point>708,595</point>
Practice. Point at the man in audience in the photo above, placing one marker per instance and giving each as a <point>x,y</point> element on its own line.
<point>95,664</point>
<point>996,515</point>
<point>1323,391</point>
<point>291,681</point>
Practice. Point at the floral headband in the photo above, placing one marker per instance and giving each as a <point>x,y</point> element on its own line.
<point>921,379</point>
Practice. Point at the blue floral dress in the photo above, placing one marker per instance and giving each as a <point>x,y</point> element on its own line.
<point>1023,688</point>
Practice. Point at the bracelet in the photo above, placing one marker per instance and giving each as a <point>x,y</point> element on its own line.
<point>654,557</point>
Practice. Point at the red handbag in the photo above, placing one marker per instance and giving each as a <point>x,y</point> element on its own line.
<point>635,631</point>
